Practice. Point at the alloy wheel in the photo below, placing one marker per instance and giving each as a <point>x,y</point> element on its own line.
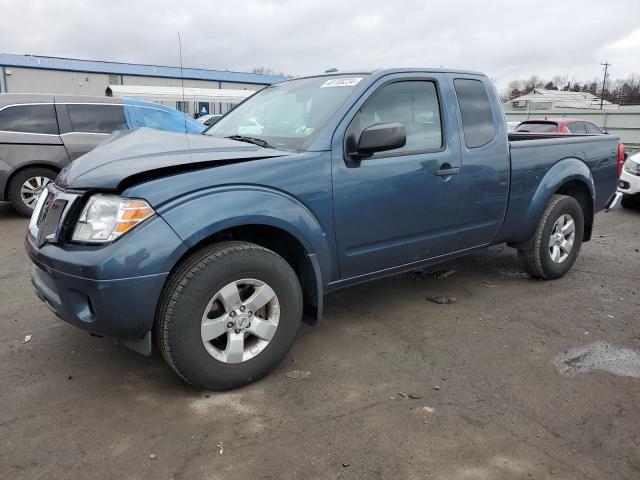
<point>240,320</point>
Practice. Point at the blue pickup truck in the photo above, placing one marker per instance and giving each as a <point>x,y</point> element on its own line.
<point>219,244</point>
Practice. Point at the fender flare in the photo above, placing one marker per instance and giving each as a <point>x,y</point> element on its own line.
<point>565,171</point>
<point>200,215</point>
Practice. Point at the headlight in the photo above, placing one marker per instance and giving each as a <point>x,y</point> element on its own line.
<point>107,217</point>
<point>632,167</point>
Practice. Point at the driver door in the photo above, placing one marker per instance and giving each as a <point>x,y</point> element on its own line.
<point>399,206</point>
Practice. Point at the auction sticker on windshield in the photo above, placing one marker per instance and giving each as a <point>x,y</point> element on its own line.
<point>342,82</point>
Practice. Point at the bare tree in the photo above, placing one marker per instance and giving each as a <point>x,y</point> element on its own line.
<point>269,71</point>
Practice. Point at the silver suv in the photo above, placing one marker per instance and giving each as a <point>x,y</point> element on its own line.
<point>41,134</point>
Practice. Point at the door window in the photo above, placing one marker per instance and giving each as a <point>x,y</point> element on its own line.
<point>183,107</point>
<point>29,119</point>
<point>592,129</point>
<point>577,128</point>
<point>203,108</point>
<point>477,115</point>
<point>105,118</point>
<point>414,104</point>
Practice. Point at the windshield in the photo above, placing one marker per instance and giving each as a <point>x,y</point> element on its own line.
<point>288,115</point>
<point>538,127</point>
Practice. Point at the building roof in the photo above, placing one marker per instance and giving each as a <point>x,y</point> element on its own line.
<point>177,93</point>
<point>118,68</point>
<point>562,99</point>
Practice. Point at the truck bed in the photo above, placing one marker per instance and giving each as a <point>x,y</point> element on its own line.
<point>532,155</point>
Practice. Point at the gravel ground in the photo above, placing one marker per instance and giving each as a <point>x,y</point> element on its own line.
<point>515,379</point>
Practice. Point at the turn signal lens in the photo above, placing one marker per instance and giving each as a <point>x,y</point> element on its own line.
<point>107,217</point>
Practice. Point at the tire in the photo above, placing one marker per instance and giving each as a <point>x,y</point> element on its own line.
<point>538,260</point>
<point>630,201</point>
<point>33,177</point>
<point>195,289</point>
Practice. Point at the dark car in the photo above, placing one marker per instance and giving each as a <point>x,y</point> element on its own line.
<point>569,126</point>
<point>41,134</point>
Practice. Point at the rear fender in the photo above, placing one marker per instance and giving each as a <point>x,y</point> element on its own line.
<point>563,172</point>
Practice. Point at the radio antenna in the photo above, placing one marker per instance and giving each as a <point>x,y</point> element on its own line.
<point>182,82</point>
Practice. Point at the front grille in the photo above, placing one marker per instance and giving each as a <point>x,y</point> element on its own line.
<point>49,222</point>
<point>49,228</point>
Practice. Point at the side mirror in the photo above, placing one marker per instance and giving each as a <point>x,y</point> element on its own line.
<point>379,138</point>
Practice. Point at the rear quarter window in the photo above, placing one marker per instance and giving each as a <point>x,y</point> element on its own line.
<point>592,129</point>
<point>91,118</point>
<point>29,119</point>
<point>537,127</point>
<point>477,115</point>
<point>577,128</point>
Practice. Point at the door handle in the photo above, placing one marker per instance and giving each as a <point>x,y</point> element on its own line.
<point>447,170</point>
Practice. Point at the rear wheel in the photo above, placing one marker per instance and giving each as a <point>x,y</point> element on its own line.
<point>26,186</point>
<point>557,240</point>
<point>229,315</point>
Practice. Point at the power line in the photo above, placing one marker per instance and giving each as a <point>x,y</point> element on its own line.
<point>604,82</point>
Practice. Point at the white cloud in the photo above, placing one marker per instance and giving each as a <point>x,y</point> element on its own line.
<point>505,39</point>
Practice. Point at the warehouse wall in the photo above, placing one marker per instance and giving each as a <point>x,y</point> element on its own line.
<point>168,82</point>
<point>241,86</point>
<point>3,88</point>
<point>31,80</point>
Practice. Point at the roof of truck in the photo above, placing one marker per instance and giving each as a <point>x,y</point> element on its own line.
<point>387,71</point>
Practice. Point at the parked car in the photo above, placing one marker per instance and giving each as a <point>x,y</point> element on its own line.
<point>629,183</point>
<point>219,244</point>
<point>209,120</point>
<point>511,126</point>
<point>569,126</point>
<point>40,134</point>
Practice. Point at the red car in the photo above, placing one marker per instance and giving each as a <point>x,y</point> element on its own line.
<point>573,126</point>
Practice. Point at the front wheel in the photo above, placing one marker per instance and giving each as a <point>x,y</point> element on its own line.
<point>557,240</point>
<point>228,315</point>
<point>26,186</point>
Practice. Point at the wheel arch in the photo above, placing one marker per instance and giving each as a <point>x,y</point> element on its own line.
<point>579,190</point>
<point>265,217</point>
<point>570,176</point>
<point>285,244</point>
<point>22,168</point>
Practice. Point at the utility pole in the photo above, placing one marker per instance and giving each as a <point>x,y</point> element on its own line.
<point>604,82</point>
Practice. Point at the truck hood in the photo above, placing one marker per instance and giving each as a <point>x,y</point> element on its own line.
<point>129,157</point>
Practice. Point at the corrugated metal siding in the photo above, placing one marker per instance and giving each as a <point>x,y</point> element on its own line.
<point>241,86</point>
<point>169,82</point>
<point>54,63</point>
<point>27,80</point>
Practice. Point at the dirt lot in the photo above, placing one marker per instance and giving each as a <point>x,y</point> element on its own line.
<point>391,385</point>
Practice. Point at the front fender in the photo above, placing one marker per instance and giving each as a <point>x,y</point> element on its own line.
<point>201,214</point>
<point>564,171</point>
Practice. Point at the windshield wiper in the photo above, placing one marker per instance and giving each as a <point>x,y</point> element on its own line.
<point>256,141</point>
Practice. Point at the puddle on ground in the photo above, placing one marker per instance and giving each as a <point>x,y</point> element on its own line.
<point>599,356</point>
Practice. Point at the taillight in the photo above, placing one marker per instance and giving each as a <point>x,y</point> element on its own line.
<point>620,158</point>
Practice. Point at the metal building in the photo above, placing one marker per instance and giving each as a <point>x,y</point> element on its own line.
<point>542,99</point>
<point>38,74</point>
